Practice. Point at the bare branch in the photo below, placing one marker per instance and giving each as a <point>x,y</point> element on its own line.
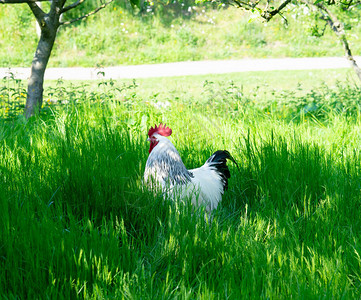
<point>21,1</point>
<point>268,15</point>
<point>328,12</point>
<point>346,4</point>
<point>88,14</point>
<point>338,28</point>
<point>38,13</point>
<point>246,5</point>
<point>354,5</point>
<point>71,6</point>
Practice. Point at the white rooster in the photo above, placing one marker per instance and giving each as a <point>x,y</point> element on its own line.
<point>165,170</point>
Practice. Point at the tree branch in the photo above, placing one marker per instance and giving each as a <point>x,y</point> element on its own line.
<point>346,4</point>
<point>265,13</point>
<point>246,5</point>
<point>268,15</point>
<point>38,13</point>
<point>21,1</point>
<point>353,5</point>
<point>338,28</point>
<point>88,14</point>
<point>71,6</point>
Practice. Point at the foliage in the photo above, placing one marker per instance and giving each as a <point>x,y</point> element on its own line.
<point>12,96</point>
<point>77,223</point>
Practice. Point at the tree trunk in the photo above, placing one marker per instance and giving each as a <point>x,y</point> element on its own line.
<point>49,24</point>
<point>34,98</point>
<point>340,32</point>
<point>338,28</point>
<point>37,26</point>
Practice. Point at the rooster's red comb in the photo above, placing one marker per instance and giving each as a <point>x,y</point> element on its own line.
<point>161,129</point>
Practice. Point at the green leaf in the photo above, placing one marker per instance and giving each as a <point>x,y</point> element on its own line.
<point>318,1</point>
<point>135,3</point>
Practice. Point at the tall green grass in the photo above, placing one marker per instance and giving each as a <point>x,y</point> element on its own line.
<point>77,221</point>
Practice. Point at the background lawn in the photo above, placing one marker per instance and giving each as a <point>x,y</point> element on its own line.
<point>119,35</point>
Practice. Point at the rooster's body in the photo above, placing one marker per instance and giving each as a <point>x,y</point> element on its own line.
<point>165,170</point>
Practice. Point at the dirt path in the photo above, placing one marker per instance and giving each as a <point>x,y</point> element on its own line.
<point>186,68</point>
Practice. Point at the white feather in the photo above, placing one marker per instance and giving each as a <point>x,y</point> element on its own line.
<point>164,167</point>
<point>209,184</point>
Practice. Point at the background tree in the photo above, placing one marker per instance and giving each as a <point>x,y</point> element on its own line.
<point>49,24</point>
<point>268,9</point>
<point>338,27</point>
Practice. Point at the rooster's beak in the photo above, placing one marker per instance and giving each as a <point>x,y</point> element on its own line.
<point>148,139</point>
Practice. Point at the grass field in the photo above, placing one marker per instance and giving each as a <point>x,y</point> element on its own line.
<point>77,222</point>
<point>199,33</point>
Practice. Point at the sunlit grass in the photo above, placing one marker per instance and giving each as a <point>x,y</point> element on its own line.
<point>77,222</point>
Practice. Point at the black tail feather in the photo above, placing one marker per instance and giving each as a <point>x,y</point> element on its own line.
<point>218,160</point>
